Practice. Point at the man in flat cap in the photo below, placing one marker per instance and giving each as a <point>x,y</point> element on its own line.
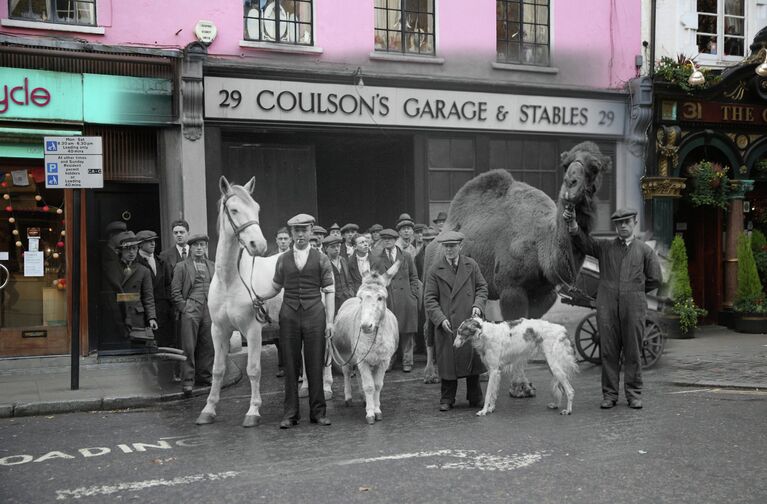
<point>349,231</point>
<point>360,262</point>
<point>375,238</point>
<point>342,279</point>
<point>405,227</point>
<point>418,237</point>
<point>320,231</point>
<point>428,236</point>
<point>455,290</point>
<point>161,278</point>
<point>439,221</point>
<point>189,293</point>
<point>307,277</point>
<point>628,268</point>
<point>404,291</point>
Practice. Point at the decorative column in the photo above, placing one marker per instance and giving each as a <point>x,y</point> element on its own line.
<point>662,189</point>
<point>738,190</point>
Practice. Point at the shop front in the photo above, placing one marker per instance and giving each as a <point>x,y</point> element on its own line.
<point>366,154</point>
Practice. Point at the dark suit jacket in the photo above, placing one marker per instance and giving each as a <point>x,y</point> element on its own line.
<point>137,312</point>
<point>354,270</point>
<point>343,282</point>
<point>404,289</point>
<point>171,257</point>
<point>160,280</point>
<point>183,280</point>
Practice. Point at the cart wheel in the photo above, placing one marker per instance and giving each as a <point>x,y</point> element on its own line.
<point>652,344</point>
<point>587,339</point>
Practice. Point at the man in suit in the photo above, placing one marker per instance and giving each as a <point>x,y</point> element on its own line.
<point>335,230</point>
<point>161,279</point>
<point>455,290</point>
<point>405,227</point>
<point>179,251</point>
<point>404,291</point>
<point>359,262</point>
<point>307,278</point>
<point>349,231</point>
<point>189,292</point>
<point>428,235</point>
<point>341,277</point>
<point>440,221</point>
<point>375,238</point>
<point>282,239</point>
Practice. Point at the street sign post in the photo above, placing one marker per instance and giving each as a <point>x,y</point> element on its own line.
<point>74,163</point>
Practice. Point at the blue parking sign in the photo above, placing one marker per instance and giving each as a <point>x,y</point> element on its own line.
<point>53,167</point>
<point>53,180</point>
<point>51,146</point>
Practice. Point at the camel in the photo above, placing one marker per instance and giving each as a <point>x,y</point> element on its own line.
<point>518,237</point>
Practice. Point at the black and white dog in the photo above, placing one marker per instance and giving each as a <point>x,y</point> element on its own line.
<point>502,345</point>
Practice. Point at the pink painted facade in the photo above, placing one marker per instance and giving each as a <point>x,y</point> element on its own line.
<point>593,42</point>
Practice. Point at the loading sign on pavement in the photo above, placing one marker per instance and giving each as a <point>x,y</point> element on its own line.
<point>73,162</point>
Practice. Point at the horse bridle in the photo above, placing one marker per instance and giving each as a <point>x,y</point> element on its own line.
<point>242,227</point>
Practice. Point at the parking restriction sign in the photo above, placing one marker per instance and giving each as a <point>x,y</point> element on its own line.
<point>73,162</point>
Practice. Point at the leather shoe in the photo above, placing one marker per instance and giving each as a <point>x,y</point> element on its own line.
<point>321,421</point>
<point>187,389</point>
<point>280,373</point>
<point>288,423</point>
<point>635,404</point>
<point>445,407</point>
<point>407,369</point>
<point>607,404</point>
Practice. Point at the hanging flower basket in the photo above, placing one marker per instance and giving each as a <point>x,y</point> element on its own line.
<point>710,184</point>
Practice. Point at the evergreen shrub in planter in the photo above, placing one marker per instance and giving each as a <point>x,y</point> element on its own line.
<point>749,304</point>
<point>682,319</point>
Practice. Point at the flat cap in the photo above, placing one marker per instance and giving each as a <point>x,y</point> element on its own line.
<point>116,227</point>
<point>127,239</point>
<point>389,233</point>
<point>301,219</point>
<point>146,235</point>
<point>331,240</point>
<point>335,227</point>
<point>623,213</point>
<point>449,237</point>
<point>197,238</point>
<point>350,227</point>
<point>319,230</point>
<point>442,216</point>
<point>429,234</point>
<point>419,227</point>
<point>404,223</point>
<point>375,228</point>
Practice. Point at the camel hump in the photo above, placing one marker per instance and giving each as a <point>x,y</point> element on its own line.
<point>492,183</point>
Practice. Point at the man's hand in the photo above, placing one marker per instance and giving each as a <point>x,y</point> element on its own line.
<point>476,312</point>
<point>153,324</point>
<point>568,215</point>
<point>446,326</point>
<point>329,329</point>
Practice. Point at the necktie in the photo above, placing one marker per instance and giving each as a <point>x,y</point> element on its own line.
<point>183,253</point>
<point>391,256</point>
<point>455,265</point>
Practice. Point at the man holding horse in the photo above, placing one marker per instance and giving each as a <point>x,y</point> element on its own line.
<point>307,276</point>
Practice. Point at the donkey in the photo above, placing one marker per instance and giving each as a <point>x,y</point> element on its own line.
<point>366,336</point>
<point>232,299</point>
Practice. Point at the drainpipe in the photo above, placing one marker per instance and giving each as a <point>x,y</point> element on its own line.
<point>653,7</point>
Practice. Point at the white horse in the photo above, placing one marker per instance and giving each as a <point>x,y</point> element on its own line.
<point>366,335</point>
<point>232,299</point>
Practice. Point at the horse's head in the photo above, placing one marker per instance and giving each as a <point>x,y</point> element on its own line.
<point>238,216</point>
<point>469,328</point>
<point>373,295</point>
<point>583,165</point>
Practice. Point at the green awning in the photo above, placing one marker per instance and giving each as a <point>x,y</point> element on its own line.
<point>27,142</point>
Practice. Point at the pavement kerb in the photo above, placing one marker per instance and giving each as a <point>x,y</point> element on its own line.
<point>720,384</point>
<point>233,375</point>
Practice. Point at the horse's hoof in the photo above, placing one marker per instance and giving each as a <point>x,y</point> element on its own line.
<point>251,420</point>
<point>349,402</point>
<point>379,416</point>
<point>565,412</point>
<point>481,412</point>
<point>370,419</point>
<point>205,418</point>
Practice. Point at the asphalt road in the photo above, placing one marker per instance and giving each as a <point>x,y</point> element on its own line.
<point>687,445</point>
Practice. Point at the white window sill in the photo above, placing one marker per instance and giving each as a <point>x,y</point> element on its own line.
<point>281,48</point>
<point>406,58</point>
<point>514,67</point>
<point>38,25</point>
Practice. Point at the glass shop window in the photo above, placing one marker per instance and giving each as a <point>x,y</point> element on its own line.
<point>281,21</point>
<point>404,26</point>
<point>32,248</point>
<point>721,28</point>
<point>79,12</point>
<point>522,31</point>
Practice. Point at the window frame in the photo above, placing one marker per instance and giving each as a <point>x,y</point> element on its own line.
<point>720,57</point>
<point>55,20</point>
<point>402,32</point>
<point>504,58</point>
<point>277,27</point>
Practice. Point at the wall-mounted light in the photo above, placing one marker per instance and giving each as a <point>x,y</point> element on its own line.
<point>358,77</point>
<point>696,77</point>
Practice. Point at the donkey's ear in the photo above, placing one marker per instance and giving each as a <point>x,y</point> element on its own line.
<point>392,271</point>
<point>223,185</point>
<point>250,185</point>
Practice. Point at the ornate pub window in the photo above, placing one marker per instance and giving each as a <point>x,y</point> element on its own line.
<point>721,28</point>
<point>522,31</point>
<point>404,26</point>
<point>77,12</point>
<point>281,21</point>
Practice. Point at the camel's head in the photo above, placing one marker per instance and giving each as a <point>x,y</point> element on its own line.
<point>373,295</point>
<point>583,165</point>
<point>469,329</point>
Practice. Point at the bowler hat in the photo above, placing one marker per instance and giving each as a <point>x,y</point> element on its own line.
<point>331,240</point>
<point>450,237</point>
<point>301,219</point>
<point>388,233</point>
<point>116,227</point>
<point>375,228</point>
<point>350,227</point>
<point>623,213</point>
<point>335,227</point>
<point>197,238</point>
<point>319,230</point>
<point>127,239</point>
<point>146,235</point>
<point>441,217</point>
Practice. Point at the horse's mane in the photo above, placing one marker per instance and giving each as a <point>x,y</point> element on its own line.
<point>237,190</point>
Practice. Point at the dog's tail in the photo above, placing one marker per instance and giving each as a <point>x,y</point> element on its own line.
<point>560,353</point>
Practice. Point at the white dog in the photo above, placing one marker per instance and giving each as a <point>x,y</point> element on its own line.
<point>502,345</point>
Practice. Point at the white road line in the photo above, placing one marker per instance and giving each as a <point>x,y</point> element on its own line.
<point>468,460</point>
<point>693,391</point>
<point>135,486</point>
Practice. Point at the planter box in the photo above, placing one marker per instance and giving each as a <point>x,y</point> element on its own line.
<point>751,323</point>
<point>673,331</point>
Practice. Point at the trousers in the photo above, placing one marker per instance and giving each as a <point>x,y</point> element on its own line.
<point>473,390</point>
<point>196,342</point>
<point>621,323</point>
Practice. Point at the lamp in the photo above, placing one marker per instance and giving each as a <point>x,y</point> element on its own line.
<point>358,74</point>
<point>696,77</point>
<point>761,70</point>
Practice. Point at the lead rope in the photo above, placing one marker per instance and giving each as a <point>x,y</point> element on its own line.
<point>334,352</point>
<point>256,301</point>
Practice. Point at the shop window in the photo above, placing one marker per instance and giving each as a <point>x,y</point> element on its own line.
<point>522,31</point>
<point>79,12</point>
<point>281,21</point>
<point>721,28</point>
<point>404,26</point>
<point>451,163</point>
